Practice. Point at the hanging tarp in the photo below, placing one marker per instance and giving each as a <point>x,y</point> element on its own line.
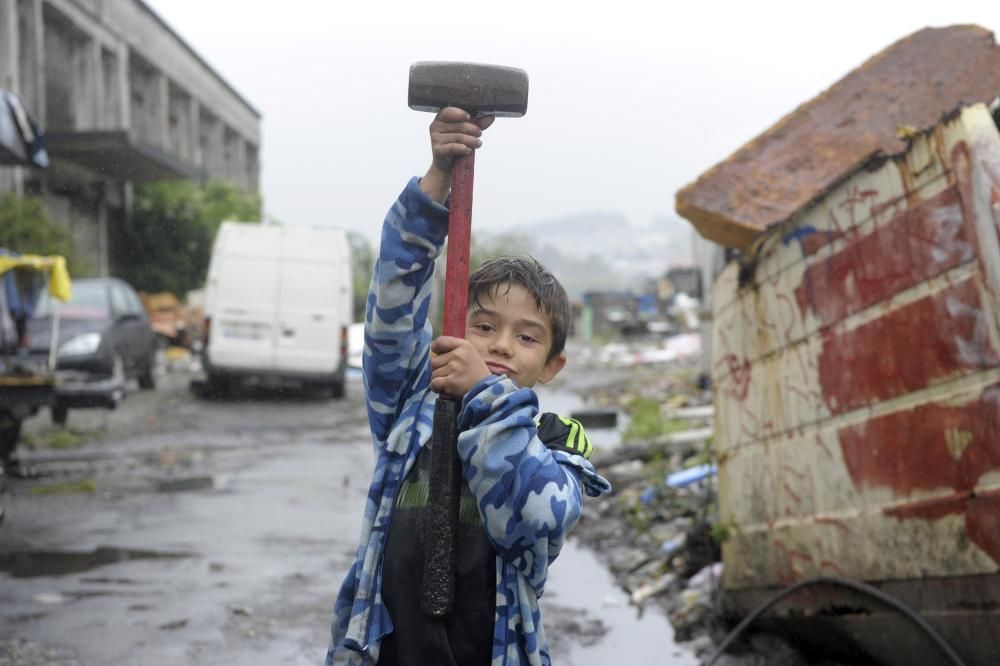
<point>55,266</point>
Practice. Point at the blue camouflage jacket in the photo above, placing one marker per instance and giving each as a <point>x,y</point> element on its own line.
<point>529,496</point>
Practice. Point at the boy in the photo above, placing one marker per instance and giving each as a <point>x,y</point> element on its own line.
<point>522,481</point>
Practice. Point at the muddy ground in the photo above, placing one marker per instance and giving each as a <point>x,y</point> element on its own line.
<point>177,530</point>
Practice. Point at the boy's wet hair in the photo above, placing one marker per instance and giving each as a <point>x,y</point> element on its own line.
<point>549,295</point>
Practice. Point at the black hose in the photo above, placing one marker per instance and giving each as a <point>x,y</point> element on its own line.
<point>857,586</point>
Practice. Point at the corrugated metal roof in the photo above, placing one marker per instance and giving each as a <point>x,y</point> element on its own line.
<point>911,83</point>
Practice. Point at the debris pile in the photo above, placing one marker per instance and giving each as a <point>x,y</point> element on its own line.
<point>659,531</point>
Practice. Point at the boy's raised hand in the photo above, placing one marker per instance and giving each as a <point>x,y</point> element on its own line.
<point>456,367</point>
<point>453,133</point>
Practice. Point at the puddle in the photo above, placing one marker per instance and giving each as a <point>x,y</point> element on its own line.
<point>104,580</point>
<point>602,626</point>
<point>176,484</point>
<point>605,628</point>
<point>176,624</point>
<point>268,391</point>
<point>31,564</point>
<point>24,618</point>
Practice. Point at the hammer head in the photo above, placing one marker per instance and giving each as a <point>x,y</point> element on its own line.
<point>478,89</point>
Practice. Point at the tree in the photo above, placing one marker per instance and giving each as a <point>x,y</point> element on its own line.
<point>25,228</point>
<point>362,263</point>
<point>223,201</point>
<point>167,243</point>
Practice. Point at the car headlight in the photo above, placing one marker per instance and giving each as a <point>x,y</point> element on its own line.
<point>81,345</point>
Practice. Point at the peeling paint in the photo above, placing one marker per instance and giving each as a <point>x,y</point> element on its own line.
<point>858,374</point>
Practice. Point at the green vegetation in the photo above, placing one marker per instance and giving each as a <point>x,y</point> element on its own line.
<point>703,457</point>
<point>636,516</point>
<point>647,421</point>
<point>657,467</point>
<point>723,531</point>
<point>65,487</point>
<point>167,242</point>
<point>64,439</point>
<point>26,228</point>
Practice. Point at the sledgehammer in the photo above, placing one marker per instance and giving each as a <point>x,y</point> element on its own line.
<point>479,90</point>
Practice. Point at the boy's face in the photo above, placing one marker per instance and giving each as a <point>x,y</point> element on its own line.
<point>513,336</point>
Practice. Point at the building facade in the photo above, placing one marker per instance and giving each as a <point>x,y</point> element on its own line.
<point>122,100</point>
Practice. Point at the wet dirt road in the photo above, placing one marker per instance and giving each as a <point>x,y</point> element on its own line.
<point>185,531</point>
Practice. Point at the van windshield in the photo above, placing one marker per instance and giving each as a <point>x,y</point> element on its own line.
<point>89,301</point>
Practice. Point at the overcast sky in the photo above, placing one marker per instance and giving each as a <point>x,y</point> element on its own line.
<point>629,101</point>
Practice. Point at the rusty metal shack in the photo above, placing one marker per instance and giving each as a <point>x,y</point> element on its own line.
<point>910,84</point>
<point>856,354</point>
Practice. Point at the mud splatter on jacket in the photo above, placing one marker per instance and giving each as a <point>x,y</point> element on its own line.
<point>529,496</point>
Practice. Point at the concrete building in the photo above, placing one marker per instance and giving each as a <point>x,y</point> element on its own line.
<point>122,100</point>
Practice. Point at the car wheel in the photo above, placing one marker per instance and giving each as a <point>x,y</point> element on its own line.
<point>118,368</point>
<point>119,378</point>
<point>147,381</point>
<point>147,378</point>
<point>59,415</point>
<point>338,389</point>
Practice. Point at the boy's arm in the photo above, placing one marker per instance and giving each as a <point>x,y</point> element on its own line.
<point>397,330</point>
<point>528,496</point>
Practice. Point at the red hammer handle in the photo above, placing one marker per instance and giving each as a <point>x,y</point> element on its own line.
<point>456,280</point>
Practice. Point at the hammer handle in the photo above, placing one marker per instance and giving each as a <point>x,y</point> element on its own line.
<point>437,594</point>
<point>456,280</point>
<point>437,597</point>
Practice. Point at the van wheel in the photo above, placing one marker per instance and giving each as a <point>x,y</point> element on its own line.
<point>337,390</point>
<point>10,433</point>
<point>59,415</point>
<point>220,386</point>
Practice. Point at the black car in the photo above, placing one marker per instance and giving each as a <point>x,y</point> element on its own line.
<point>105,339</point>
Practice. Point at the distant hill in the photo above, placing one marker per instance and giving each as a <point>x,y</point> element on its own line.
<point>600,250</point>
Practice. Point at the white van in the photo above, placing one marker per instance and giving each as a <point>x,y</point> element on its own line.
<point>278,304</point>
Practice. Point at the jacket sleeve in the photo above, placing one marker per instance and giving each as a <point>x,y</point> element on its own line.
<point>397,331</point>
<point>529,497</point>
